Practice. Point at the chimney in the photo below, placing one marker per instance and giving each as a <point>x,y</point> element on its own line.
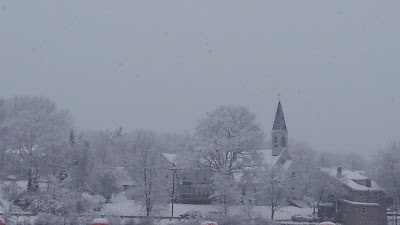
<point>339,171</point>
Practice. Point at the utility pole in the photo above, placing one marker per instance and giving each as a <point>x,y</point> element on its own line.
<point>173,169</point>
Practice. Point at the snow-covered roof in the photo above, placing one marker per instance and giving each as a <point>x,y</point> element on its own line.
<point>360,203</point>
<point>267,158</point>
<point>171,157</point>
<point>286,165</point>
<point>349,178</point>
<point>326,204</point>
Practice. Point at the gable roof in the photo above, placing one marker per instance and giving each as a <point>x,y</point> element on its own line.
<point>171,157</point>
<point>267,158</point>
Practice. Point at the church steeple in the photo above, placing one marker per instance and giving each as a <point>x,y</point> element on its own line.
<point>279,132</point>
<point>279,122</point>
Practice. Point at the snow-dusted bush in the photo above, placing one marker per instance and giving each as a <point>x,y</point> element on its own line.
<point>129,222</point>
<point>60,202</point>
<point>263,221</point>
<point>48,219</point>
<point>12,191</point>
<point>142,221</point>
<point>113,220</point>
<point>94,202</point>
<point>230,220</point>
<point>105,185</point>
<point>13,220</point>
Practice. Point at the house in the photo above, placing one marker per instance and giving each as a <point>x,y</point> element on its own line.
<point>360,199</point>
<point>191,185</point>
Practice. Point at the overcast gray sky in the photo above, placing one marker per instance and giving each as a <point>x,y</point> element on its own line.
<point>162,65</point>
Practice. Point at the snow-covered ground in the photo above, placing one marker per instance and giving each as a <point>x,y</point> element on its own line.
<point>122,206</point>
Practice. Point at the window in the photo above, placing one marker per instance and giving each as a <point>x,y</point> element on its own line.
<point>364,210</point>
<point>283,141</point>
<point>360,194</point>
<point>275,141</point>
<point>376,195</point>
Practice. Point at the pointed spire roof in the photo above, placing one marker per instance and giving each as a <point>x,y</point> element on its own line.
<point>279,122</point>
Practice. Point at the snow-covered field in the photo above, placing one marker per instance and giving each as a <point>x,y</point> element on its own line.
<point>122,206</point>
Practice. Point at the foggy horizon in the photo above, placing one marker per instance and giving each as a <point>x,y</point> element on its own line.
<point>164,65</point>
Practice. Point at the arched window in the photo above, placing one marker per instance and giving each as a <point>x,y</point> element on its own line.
<point>275,141</point>
<point>283,141</point>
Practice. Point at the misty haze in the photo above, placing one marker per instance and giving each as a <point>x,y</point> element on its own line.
<point>199,112</point>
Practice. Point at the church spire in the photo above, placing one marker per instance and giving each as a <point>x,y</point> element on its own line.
<point>279,122</point>
<point>279,132</point>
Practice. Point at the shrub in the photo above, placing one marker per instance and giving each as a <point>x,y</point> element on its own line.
<point>48,219</point>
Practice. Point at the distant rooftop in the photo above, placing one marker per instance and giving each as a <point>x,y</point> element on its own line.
<point>349,178</point>
<point>171,157</point>
<point>267,158</point>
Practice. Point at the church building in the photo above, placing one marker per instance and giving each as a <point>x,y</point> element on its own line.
<point>279,136</point>
<point>196,185</point>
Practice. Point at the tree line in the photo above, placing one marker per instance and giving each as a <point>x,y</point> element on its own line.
<point>39,144</point>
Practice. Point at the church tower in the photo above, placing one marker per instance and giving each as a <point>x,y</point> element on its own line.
<point>279,132</point>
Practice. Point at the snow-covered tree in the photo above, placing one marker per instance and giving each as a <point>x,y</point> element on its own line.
<point>273,187</point>
<point>93,161</point>
<point>3,146</point>
<point>107,185</point>
<point>37,135</point>
<point>142,160</point>
<point>227,141</point>
<point>226,191</point>
<point>324,188</point>
<point>174,142</point>
<point>305,173</point>
<point>102,146</point>
<point>80,168</point>
<point>225,136</point>
<point>386,172</point>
